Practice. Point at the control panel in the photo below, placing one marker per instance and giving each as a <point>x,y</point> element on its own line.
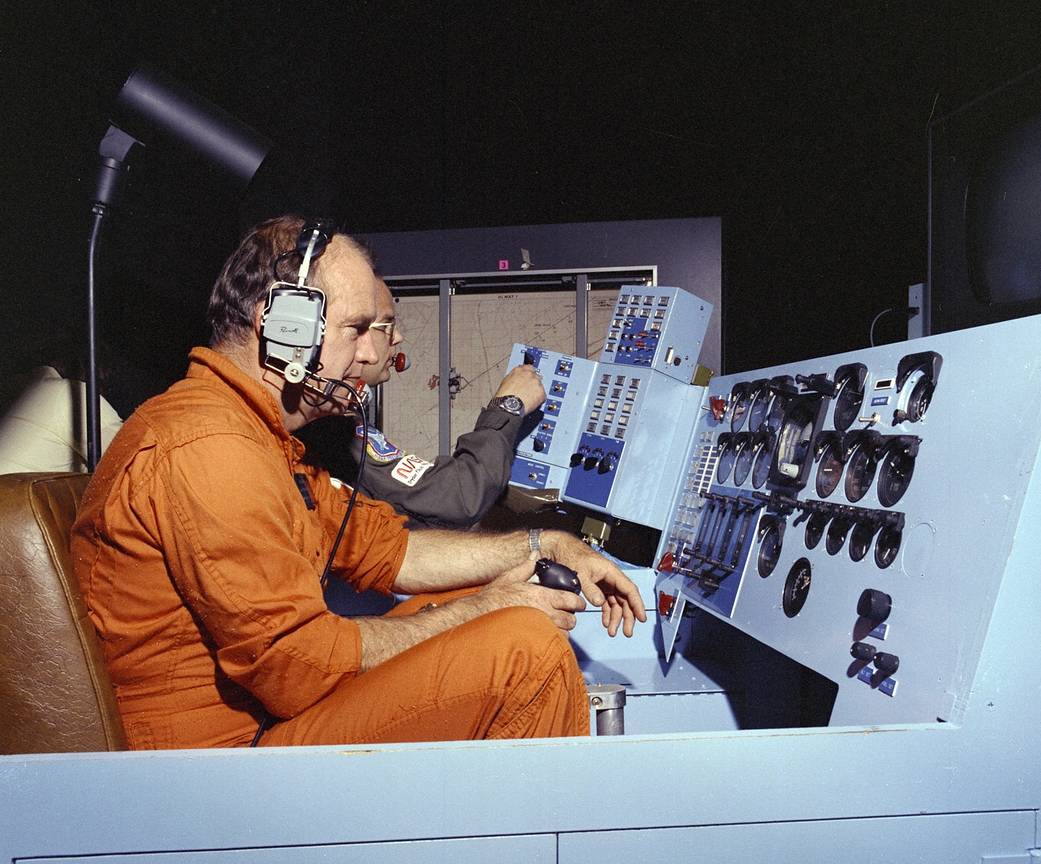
<point>544,453</point>
<point>587,441</point>
<point>855,512</point>
<point>625,461</point>
<point>657,328</point>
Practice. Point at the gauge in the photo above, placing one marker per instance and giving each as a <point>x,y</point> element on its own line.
<point>761,469</point>
<point>796,588</point>
<point>760,409</point>
<point>815,529</point>
<point>776,415</point>
<point>769,550</point>
<point>793,441</point>
<point>850,395</point>
<point>886,546</point>
<point>829,469</point>
<point>860,540</point>
<point>836,535</point>
<point>861,472</point>
<point>739,399</point>
<point>727,456</point>
<point>919,390</point>
<point>894,476</point>
<point>745,455</point>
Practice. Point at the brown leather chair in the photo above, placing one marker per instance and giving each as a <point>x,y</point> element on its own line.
<point>55,693</point>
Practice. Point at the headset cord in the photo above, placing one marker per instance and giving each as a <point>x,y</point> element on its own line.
<point>267,720</point>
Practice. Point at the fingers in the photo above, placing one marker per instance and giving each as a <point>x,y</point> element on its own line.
<point>563,620</point>
<point>521,573</point>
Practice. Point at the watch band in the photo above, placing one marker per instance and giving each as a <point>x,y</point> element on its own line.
<point>510,404</point>
<point>535,540</point>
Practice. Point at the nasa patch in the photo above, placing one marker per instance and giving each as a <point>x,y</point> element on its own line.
<point>410,469</point>
<point>379,448</point>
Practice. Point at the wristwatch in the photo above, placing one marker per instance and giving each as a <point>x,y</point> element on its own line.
<point>510,404</point>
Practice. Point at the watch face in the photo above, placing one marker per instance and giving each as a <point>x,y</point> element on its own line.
<point>510,404</point>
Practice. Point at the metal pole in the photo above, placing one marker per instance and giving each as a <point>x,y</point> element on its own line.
<point>608,700</point>
<point>581,315</point>
<point>444,367</point>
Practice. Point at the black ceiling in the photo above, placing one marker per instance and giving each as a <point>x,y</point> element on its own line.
<point>801,124</point>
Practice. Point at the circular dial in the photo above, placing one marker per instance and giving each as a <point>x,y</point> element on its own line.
<point>776,416</point>
<point>815,529</point>
<point>894,476</point>
<point>760,409</point>
<point>796,588</point>
<point>829,470</point>
<point>836,535</point>
<point>849,400</point>
<point>860,540</point>
<point>886,546</point>
<point>745,455</point>
<point>919,389</point>
<point>739,399</point>
<point>860,473</point>
<point>793,442</point>
<point>761,469</point>
<point>769,550</point>
<point>727,457</point>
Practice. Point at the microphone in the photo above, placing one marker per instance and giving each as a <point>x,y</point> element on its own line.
<point>401,362</point>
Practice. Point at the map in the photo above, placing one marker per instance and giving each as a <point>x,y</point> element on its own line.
<point>484,328</point>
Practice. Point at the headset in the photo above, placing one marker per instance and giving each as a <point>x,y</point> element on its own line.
<point>292,326</point>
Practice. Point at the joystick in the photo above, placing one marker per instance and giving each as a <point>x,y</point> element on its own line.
<point>551,574</point>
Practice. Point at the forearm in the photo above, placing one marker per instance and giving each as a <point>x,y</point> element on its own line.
<point>383,638</point>
<point>438,560</point>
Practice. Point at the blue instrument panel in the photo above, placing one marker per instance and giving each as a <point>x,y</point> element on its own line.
<point>544,453</point>
<point>831,510</point>
<point>655,327</point>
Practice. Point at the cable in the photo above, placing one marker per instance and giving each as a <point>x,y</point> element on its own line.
<point>874,321</point>
<point>352,396</point>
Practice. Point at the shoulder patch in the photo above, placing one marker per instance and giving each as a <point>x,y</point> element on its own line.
<point>379,449</point>
<point>410,469</point>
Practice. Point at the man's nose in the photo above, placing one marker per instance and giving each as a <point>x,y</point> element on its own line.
<point>365,348</point>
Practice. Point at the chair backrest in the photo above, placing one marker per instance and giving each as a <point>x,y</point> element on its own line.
<point>55,693</point>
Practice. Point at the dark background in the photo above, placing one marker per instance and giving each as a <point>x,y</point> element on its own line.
<point>802,124</point>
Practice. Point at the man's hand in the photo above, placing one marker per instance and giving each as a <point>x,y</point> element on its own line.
<point>602,582</point>
<point>524,382</point>
<point>514,589</point>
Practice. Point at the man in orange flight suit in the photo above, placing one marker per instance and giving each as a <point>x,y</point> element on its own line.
<point>201,541</point>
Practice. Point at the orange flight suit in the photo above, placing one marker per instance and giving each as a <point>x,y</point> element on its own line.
<point>199,558</point>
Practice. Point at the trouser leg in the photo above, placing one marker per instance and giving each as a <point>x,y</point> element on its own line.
<point>508,674</point>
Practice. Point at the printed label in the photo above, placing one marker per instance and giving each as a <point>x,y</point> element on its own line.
<point>410,469</point>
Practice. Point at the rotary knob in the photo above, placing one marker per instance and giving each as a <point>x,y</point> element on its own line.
<point>874,605</point>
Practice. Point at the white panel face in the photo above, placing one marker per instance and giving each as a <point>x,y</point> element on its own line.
<point>484,328</point>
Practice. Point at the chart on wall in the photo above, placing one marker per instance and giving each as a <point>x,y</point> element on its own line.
<point>484,328</point>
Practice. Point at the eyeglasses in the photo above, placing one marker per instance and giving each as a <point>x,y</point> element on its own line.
<point>386,326</point>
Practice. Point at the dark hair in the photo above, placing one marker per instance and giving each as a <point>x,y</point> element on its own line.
<point>249,271</point>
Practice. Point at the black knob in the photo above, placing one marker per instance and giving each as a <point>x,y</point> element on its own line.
<point>590,462</point>
<point>551,574</point>
<point>887,664</point>
<point>538,445</point>
<point>862,651</point>
<point>576,459</point>
<point>874,605</point>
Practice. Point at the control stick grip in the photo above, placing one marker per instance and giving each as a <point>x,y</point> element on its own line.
<point>552,574</point>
